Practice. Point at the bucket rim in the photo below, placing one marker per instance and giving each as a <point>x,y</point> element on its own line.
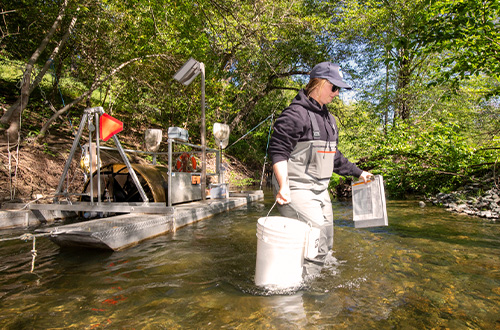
<point>274,219</point>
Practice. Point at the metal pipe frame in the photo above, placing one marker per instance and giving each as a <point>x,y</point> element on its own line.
<point>98,155</point>
<point>130,170</point>
<point>87,119</point>
<point>169,180</point>
<point>203,134</point>
<point>97,111</point>
<point>114,207</point>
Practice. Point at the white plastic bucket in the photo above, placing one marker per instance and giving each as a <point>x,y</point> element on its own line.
<point>280,252</point>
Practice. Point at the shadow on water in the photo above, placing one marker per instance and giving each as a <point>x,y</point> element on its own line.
<point>428,269</point>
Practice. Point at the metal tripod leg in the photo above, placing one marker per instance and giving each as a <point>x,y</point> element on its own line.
<point>71,154</point>
<point>97,111</point>
<point>130,169</point>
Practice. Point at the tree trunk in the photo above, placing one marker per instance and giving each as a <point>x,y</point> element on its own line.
<point>13,114</point>
<point>12,132</point>
<point>253,101</point>
<point>403,97</point>
<point>246,110</point>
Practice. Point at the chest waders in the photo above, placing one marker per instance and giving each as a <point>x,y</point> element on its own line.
<point>310,168</point>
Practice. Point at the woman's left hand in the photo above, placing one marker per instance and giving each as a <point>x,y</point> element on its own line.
<point>365,176</point>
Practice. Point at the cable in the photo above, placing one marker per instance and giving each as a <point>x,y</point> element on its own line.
<point>262,122</point>
<point>267,147</point>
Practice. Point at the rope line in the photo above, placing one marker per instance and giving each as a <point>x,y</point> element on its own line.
<point>62,98</point>
<point>250,131</point>
<point>26,237</point>
<point>57,80</point>
<point>267,147</point>
<point>33,254</point>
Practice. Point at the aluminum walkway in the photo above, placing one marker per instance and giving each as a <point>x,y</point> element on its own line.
<point>122,231</point>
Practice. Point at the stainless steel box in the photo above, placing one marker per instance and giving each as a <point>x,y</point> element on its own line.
<point>183,188</point>
<point>178,133</point>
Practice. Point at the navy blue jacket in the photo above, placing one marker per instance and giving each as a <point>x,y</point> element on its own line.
<point>294,125</point>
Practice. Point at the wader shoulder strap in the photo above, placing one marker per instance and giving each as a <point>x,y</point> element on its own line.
<point>314,124</point>
<point>333,122</point>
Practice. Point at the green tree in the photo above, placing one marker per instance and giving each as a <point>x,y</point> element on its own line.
<point>467,35</point>
<point>258,47</point>
<point>13,114</point>
<point>377,43</point>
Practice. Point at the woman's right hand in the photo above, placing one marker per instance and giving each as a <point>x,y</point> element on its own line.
<point>283,195</point>
<point>281,174</point>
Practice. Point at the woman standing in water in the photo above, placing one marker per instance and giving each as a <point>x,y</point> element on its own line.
<point>304,153</point>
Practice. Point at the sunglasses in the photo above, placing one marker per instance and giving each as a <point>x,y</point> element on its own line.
<point>335,88</point>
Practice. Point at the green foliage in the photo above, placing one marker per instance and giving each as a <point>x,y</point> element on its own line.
<point>421,137</point>
<point>376,37</point>
<point>470,30</point>
<point>413,160</point>
<point>359,127</point>
<point>334,181</point>
<point>240,183</point>
<point>46,150</point>
<point>10,69</point>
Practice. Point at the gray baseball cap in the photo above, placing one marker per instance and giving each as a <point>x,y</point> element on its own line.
<point>331,72</point>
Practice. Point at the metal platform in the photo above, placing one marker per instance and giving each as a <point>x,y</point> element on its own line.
<point>106,207</point>
<point>112,233</point>
<point>119,232</point>
<point>134,201</point>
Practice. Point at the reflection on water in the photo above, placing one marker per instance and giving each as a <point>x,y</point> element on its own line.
<point>428,269</point>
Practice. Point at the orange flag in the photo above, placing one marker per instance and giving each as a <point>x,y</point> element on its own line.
<point>109,126</point>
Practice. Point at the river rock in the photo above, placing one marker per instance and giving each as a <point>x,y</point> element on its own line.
<point>466,199</point>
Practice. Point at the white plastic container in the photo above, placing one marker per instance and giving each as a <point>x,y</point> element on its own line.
<point>368,203</point>
<point>152,139</point>
<point>221,135</point>
<point>280,252</point>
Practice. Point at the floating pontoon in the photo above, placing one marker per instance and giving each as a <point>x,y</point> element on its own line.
<point>119,232</point>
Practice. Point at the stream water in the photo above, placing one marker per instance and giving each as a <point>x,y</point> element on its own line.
<point>429,269</point>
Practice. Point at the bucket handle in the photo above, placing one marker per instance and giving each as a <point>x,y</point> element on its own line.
<point>309,223</point>
<point>271,209</point>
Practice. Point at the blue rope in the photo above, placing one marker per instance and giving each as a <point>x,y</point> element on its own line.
<point>250,131</point>
<point>269,134</point>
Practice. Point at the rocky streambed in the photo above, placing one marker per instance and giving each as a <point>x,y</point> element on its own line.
<point>477,199</point>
